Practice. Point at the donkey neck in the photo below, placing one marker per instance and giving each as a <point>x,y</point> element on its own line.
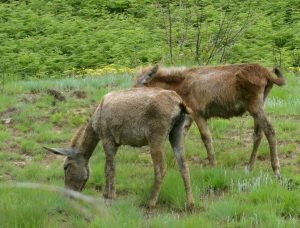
<point>170,79</point>
<point>85,140</point>
<point>172,74</point>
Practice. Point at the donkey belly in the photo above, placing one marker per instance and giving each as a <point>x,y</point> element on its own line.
<point>132,136</point>
<point>135,142</point>
<point>215,109</point>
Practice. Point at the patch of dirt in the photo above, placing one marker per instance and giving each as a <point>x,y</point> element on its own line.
<point>8,112</point>
<point>123,192</point>
<point>219,192</point>
<point>56,94</point>
<point>245,136</point>
<point>112,85</point>
<point>285,117</point>
<point>49,158</point>
<point>262,157</point>
<point>19,163</point>
<point>153,212</point>
<point>34,91</point>
<point>7,176</point>
<point>54,110</point>
<point>163,207</point>
<point>29,98</point>
<point>196,159</point>
<point>6,120</point>
<point>98,187</point>
<point>81,111</point>
<point>79,94</point>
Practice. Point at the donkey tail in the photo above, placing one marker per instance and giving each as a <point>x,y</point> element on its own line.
<point>185,108</point>
<point>280,80</point>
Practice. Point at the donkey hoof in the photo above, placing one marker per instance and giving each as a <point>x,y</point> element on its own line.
<point>109,196</point>
<point>277,175</point>
<point>212,163</point>
<point>151,205</point>
<point>190,207</point>
<point>248,169</point>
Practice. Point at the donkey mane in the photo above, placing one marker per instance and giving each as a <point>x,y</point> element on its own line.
<point>174,75</point>
<point>77,135</point>
<point>80,133</point>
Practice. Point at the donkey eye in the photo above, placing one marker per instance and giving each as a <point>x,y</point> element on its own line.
<point>65,167</point>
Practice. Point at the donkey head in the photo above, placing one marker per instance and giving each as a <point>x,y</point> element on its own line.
<point>76,167</point>
<point>145,76</point>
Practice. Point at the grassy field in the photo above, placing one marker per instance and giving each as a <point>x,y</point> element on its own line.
<point>225,196</point>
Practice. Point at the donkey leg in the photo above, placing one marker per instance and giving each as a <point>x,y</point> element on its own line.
<point>257,136</point>
<point>206,138</point>
<point>269,131</point>
<point>159,173</point>
<point>110,150</point>
<point>177,142</point>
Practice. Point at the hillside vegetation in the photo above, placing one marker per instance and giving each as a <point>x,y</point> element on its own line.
<point>44,38</point>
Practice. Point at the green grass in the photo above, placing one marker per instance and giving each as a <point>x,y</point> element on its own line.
<point>34,208</point>
<point>225,196</point>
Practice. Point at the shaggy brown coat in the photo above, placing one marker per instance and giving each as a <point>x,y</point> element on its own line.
<point>221,91</point>
<point>135,117</point>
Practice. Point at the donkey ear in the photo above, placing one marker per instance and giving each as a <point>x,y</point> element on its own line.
<point>69,152</point>
<point>149,74</point>
<point>153,71</point>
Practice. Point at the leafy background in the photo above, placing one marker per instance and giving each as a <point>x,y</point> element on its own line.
<point>41,38</point>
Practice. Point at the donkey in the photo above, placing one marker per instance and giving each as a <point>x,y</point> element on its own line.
<point>221,91</point>
<point>135,117</point>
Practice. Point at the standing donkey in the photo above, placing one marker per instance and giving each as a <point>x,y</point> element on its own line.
<point>135,117</point>
<point>221,91</point>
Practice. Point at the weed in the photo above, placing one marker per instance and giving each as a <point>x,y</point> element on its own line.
<point>29,147</point>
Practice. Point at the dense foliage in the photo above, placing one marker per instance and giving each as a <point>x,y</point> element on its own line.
<point>42,37</point>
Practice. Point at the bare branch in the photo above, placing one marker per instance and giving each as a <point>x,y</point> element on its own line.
<point>215,42</point>
<point>170,32</point>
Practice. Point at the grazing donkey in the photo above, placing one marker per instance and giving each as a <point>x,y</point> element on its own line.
<point>221,91</point>
<point>135,117</point>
